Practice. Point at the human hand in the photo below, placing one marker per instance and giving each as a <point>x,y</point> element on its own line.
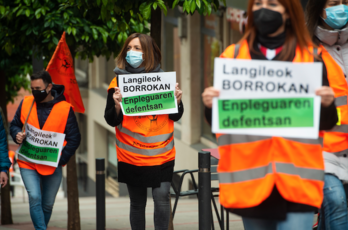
<point>3,179</point>
<point>327,95</point>
<point>20,137</point>
<point>117,96</point>
<point>178,93</point>
<point>208,95</point>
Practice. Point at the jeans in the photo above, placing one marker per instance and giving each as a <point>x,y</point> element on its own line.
<point>138,197</point>
<point>333,213</point>
<point>294,220</point>
<point>42,191</point>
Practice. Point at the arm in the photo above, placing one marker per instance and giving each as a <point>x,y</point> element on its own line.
<point>328,115</point>
<point>5,162</point>
<point>110,114</point>
<point>16,124</point>
<point>177,116</point>
<point>73,138</point>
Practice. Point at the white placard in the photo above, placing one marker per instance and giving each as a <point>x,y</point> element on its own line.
<point>256,80</point>
<point>41,147</point>
<point>148,93</point>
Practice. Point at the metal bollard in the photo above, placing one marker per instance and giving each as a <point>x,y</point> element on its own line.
<point>100,191</point>
<point>204,191</point>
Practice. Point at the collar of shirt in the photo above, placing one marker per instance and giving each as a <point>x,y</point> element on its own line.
<point>270,53</point>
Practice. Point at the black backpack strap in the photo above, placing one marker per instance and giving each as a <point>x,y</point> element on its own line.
<point>236,50</point>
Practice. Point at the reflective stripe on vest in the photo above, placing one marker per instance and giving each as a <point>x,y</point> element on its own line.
<point>148,140</point>
<point>340,128</point>
<point>340,101</point>
<point>56,122</point>
<point>250,166</point>
<point>227,139</point>
<point>260,172</point>
<point>146,152</point>
<point>142,142</point>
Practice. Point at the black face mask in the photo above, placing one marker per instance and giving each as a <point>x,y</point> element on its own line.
<point>40,95</point>
<point>267,21</point>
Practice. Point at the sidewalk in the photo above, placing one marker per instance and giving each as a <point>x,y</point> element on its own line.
<point>117,215</point>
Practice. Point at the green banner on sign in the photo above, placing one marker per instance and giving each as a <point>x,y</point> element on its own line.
<point>39,153</point>
<point>148,103</point>
<point>266,113</point>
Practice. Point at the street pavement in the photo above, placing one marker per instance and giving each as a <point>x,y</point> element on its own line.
<point>117,215</point>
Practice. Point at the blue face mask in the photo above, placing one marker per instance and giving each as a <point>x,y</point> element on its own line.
<point>337,16</point>
<point>134,58</point>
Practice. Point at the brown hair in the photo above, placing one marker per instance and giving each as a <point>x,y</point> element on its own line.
<point>296,31</point>
<point>313,11</point>
<point>152,54</point>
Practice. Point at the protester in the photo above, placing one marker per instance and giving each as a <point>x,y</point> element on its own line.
<point>151,163</point>
<point>50,112</point>
<point>273,182</point>
<point>327,25</point>
<point>4,160</point>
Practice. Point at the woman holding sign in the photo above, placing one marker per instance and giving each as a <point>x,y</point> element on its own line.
<point>273,182</point>
<point>145,144</point>
<point>327,24</point>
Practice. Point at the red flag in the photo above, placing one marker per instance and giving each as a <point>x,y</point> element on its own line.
<point>61,69</point>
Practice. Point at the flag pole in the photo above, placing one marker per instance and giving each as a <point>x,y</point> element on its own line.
<point>26,119</point>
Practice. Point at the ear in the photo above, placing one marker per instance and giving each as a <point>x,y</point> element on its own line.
<point>49,87</point>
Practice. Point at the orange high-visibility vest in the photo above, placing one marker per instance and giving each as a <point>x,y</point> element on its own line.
<point>144,140</point>
<point>336,140</point>
<point>11,156</point>
<point>55,122</point>
<point>250,166</point>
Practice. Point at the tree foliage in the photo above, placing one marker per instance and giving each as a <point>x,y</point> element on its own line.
<point>94,28</point>
<point>16,72</point>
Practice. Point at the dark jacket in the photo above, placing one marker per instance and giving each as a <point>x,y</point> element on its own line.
<point>72,132</point>
<point>275,206</point>
<point>141,176</point>
<point>5,162</point>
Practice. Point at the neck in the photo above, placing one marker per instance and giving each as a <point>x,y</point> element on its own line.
<point>272,42</point>
<point>48,98</point>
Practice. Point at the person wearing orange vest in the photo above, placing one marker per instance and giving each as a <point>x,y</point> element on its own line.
<point>46,110</point>
<point>144,144</point>
<point>327,25</point>
<point>274,183</point>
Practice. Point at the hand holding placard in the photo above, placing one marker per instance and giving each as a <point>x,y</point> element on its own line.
<point>327,95</point>
<point>208,95</point>
<point>117,96</point>
<point>178,93</point>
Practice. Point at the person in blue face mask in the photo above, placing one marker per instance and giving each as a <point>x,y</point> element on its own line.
<point>145,144</point>
<point>327,24</point>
